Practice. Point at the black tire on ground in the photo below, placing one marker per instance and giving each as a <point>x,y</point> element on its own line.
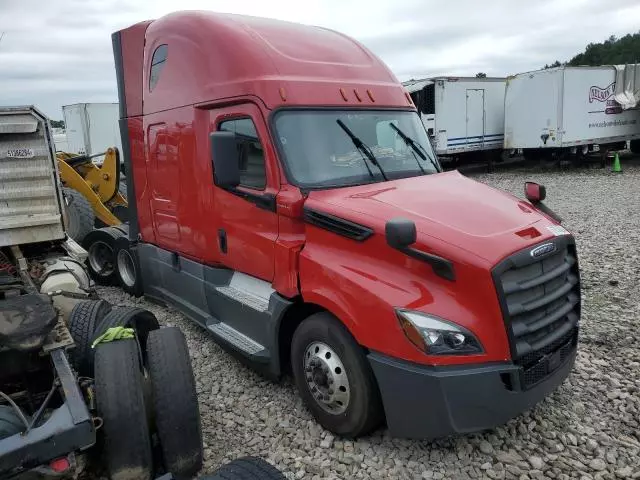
<point>83,319</point>
<point>634,146</point>
<point>80,216</point>
<point>363,411</point>
<point>128,267</point>
<point>101,262</point>
<point>121,212</point>
<point>141,320</point>
<point>246,468</point>
<point>120,403</point>
<point>175,402</point>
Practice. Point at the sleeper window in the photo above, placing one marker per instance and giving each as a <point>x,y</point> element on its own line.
<point>250,152</point>
<point>157,63</point>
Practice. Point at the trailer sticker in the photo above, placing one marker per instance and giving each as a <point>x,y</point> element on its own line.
<point>20,153</point>
<point>558,230</point>
<point>601,94</point>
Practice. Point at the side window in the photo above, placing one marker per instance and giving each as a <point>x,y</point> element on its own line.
<point>157,63</point>
<point>250,152</point>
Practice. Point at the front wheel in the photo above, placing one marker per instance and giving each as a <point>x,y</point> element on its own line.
<point>334,378</point>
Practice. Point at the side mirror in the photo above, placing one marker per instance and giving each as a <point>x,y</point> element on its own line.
<point>534,192</point>
<point>224,157</point>
<point>400,232</point>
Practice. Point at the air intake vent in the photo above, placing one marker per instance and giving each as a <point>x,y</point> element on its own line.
<point>337,225</point>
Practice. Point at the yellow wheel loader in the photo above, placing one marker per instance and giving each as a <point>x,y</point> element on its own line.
<point>93,194</point>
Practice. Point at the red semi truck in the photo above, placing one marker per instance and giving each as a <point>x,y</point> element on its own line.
<point>285,196</point>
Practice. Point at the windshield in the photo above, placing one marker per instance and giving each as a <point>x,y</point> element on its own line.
<point>339,148</point>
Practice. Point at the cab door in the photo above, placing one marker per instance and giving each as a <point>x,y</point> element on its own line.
<point>163,170</point>
<point>246,215</point>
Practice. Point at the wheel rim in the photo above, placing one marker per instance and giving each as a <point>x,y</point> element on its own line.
<point>326,378</point>
<point>126,268</point>
<point>101,258</point>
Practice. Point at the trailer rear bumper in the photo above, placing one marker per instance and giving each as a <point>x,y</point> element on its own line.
<point>430,402</point>
<point>68,429</point>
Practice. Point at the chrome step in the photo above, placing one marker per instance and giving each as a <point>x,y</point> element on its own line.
<point>236,338</point>
<point>248,290</point>
<point>246,298</point>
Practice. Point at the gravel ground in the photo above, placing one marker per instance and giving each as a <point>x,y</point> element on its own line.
<point>589,428</point>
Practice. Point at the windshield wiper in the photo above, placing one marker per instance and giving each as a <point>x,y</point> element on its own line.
<point>417,148</point>
<point>361,146</point>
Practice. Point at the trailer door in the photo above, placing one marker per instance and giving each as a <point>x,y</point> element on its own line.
<point>475,117</point>
<point>74,122</point>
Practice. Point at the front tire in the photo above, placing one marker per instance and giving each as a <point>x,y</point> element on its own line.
<point>334,378</point>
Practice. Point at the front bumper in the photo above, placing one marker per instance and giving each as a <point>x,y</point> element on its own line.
<point>430,402</point>
<point>68,429</point>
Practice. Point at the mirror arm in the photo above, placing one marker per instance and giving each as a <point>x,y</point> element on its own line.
<point>547,211</point>
<point>266,201</point>
<point>441,266</point>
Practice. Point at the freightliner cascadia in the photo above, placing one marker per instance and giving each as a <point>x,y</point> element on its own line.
<point>285,196</point>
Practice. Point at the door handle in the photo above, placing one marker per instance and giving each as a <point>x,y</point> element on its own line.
<point>222,240</point>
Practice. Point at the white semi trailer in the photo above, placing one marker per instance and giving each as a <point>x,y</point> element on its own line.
<point>568,109</point>
<point>92,128</point>
<point>462,115</point>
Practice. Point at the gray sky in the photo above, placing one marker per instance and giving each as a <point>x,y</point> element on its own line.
<point>58,52</point>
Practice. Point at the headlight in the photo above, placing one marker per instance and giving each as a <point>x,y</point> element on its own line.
<point>435,336</point>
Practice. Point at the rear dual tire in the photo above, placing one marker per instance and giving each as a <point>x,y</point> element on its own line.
<point>100,245</point>
<point>334,378</point>
<point>128,267</point>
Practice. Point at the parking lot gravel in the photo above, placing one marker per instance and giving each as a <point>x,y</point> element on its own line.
<point>589,428</point>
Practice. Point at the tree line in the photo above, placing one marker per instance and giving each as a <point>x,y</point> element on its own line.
<point>613,51</point>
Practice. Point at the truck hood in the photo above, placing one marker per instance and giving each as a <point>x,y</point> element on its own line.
<point>448,206</point>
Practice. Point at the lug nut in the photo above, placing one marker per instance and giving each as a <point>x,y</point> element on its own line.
<point>330,392</point>
<point>330,381</point>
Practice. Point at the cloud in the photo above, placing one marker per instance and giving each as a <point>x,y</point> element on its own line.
<point>58,53</point>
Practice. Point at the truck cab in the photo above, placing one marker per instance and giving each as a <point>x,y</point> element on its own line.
<point>284,195</point>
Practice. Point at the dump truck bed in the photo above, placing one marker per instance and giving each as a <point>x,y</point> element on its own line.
<point>30,200</point>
